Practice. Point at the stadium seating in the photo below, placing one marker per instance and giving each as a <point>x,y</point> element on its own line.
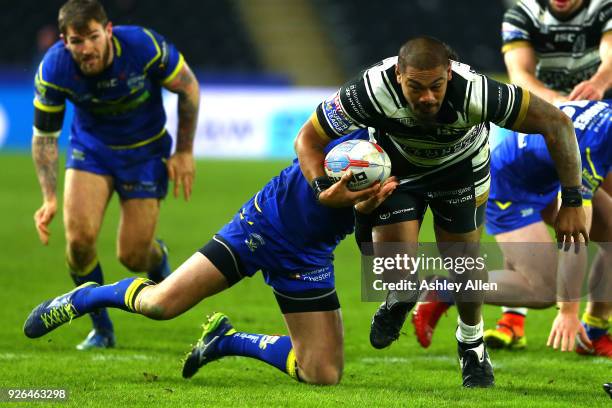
<point>365,31</point>
<point>208,32</point>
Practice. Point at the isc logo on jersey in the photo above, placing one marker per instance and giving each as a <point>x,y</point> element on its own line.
<point>366,160</point>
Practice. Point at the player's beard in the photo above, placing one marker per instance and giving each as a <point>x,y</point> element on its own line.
<point>101,61</point>
<point>426,112</point>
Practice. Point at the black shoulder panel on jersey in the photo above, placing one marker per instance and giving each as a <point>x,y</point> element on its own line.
<point>48,121</point>
<point>356,101</point>
<point>504,102</point>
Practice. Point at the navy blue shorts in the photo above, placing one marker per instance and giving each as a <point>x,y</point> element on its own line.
<point>138,172</point>
<point>301,281</point>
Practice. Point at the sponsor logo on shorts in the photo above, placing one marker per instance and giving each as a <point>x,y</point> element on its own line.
<point>402,210</point>
<point>385,216</point>
<point>453,197</point>
<point>443,193</point>
<point>526,212</point>
<point>140,186</point>
<point>317,275</point>
<point>77,155</point>
<point>254,241</point>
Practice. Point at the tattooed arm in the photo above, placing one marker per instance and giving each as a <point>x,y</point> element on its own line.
<point>45,156</point>
<point>181,168</point>
<point>558,131</point>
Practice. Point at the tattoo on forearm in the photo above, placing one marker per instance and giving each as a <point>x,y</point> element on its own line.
<point>45,156</point>
<point>558,130</point>
<point>567,158</point>
<point>188,106</point>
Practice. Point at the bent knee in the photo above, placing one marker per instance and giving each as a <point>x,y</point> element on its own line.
<point>80,241</point>
<point>135,261</point>
<point>157,306</point>
<point>322,374</point>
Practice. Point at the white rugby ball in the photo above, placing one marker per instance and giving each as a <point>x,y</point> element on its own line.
<point>366,160</point>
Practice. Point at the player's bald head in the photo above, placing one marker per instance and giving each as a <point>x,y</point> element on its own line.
<point>424,53</point>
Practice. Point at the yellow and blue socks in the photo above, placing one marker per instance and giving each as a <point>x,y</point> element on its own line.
<point>93,273</point>
<point>595,327</point>
<point>121,295</point>
<point>274,350</point>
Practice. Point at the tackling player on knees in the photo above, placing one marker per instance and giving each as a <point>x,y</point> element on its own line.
<point>282,231</point>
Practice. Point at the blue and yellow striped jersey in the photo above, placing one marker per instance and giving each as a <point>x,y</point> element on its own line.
<point>122,106</point>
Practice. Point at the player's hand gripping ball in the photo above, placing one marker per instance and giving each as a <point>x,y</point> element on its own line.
<point>367,161</point>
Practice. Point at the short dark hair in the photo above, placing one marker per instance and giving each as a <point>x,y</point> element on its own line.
<point>424,53</point>
<point>78,13</point>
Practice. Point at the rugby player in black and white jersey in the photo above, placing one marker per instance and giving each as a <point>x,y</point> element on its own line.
<point>431,115</point>
<point>560,50</point>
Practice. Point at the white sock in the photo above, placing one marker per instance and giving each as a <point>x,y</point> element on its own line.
<point>517,310</point>
<point>469,334</point>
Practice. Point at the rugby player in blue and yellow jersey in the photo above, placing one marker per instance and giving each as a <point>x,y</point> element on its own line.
<point>113,76</point>
<point>282,231</point>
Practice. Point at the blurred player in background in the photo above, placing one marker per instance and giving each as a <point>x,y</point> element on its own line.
<point>118,142</point>
<point>523,196</point>
<point>560,50</point>
<point>432,116</point>
<point>282,231</point>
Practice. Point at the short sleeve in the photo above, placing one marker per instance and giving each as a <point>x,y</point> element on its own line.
<point>517,29</point>
<point>49,96</point>
<point>164,60</point>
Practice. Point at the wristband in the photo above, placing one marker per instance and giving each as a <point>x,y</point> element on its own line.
<point>571,197</point>
<point>320,184</point>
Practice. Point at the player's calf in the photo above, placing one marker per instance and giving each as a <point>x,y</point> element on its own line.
<point>220,339</point>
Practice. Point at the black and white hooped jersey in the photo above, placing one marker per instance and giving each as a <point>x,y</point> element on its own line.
<point>567,51</point>
<point>374,99</point>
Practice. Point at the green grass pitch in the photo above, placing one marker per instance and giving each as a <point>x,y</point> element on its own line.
<point>144,369</point>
